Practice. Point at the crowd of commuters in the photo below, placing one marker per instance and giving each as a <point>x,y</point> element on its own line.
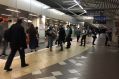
<point>19,39</point>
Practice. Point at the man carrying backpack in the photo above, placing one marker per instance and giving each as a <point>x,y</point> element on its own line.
<point>17,42</point>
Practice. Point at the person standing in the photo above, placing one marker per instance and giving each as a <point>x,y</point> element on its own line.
<point>37,35</point>
<point>83,39</point>
<point>61,37</point>
<point>33,40</point>
<point>17,39</point>
<point>5,42</point>
<point>51,35</point>
<point>68,36</point>
<point>107,37</point>
<point>1,31</point>
<point>78,34</point>
<point>94,36</point>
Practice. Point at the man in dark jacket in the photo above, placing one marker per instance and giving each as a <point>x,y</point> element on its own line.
<point>78,34</point>
<point>83,39</point>
<point>1,30</point>
<point>17,43</point>
<point>68,36</point>
<point>61,37</point>
<point>94,35</point>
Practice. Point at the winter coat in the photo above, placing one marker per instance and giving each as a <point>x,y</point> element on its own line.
<point>17,37</point>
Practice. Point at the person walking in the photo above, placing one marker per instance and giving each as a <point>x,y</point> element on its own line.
<point>61,37</point>
<point>68,36</point>
<point>17,40</point>
<point>33,40</point>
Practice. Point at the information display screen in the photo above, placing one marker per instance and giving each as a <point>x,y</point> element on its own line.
<point>99,20</point>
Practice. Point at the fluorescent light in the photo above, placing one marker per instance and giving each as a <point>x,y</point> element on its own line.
<point>6,15</point>
<point>47,18</point>
<point>27,20</point>
<point>23,17</point>
<point>85,11</point>
<point>32,15</point>
<point>78,4</point>
<point>82,13</point>
<point>72,6</point>
<point>12,10</point>
<point>37,3</point>
<point>81,7</point>
<point>57,12</point>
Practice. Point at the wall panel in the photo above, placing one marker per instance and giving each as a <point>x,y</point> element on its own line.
<point>35,7</point>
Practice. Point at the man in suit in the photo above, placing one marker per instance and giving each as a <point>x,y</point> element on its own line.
<point>17,41</point>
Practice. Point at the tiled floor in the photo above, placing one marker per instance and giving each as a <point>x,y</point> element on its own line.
<point>40,60</point>
<point>95,63</point>
<point>90,62</point>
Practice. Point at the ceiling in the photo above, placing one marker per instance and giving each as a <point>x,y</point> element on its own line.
<point>64,6</point>
<point>93,7</point>
<point>22,14</point>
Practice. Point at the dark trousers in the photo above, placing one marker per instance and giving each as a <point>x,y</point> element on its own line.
<point>68,44</point>
<point>68,40</point>
<point>78,38</point>
<point>11,56</point>
<point>5,45</point>
<point>94,38</point>
<point>83,40</point>
<point>0,40</point>
<point>57,42</point>
<point>61,44</point>
<point>106,41</point>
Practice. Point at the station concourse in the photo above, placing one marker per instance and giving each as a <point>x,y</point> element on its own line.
<point>65,39</point>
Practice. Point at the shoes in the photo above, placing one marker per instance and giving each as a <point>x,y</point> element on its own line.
<point>51,50</point>
<point>67,47</point>
<point>47,46</point>
<point>107,45</point>
<point>25,65</point>
<point>61,49</point>
<point>8,69</point>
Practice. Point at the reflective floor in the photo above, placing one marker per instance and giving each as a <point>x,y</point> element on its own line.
<point>90,62</point>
